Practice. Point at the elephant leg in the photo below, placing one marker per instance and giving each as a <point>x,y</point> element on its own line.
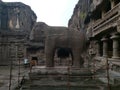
<point>49,51</point>
<point>77,59</point>
<point>81,61</point>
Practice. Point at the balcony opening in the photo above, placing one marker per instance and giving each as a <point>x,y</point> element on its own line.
<point>97,15</point>
<point>107,6</point>
<point>116,2</point>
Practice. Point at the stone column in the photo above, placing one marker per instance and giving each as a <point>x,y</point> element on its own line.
<point>115,46</point>
<point>112,3</point>
<point>103,13</point>
<point>105,47</point>
<point>98,48</point>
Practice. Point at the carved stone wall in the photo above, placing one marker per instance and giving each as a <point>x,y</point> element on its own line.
<point>105,30</point>
<point>20,17</point>
<point>16,22</point>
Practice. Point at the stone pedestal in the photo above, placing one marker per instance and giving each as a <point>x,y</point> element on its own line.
<point>54,72</point>
<point>61,78</point>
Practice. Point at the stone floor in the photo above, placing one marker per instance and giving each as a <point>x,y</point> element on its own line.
<point>5,76</point>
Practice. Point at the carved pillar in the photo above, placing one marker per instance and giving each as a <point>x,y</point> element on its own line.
<point>105,47</point>
<point>103,13</point>
<point>112,3</point>
<point>98,48</point>
<point>115,46</point>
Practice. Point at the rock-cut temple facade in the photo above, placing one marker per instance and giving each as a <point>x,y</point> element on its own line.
<point>16,22</point>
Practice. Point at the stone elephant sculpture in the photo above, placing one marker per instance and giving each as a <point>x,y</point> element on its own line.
<point>62,37</point>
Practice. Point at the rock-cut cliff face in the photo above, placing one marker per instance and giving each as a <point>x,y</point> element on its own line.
<point>16,16</point>
<point>81,9</point>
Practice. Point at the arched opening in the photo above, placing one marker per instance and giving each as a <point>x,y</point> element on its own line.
<point>97,15</point>
<point>65,56</point>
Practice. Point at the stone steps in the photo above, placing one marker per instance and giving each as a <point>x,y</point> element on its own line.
<point>60,78</point>
<point>31,86</point>
<point>114,77</point>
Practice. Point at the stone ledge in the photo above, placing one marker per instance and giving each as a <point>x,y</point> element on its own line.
<point>59,73</point>
<point>60,70</point>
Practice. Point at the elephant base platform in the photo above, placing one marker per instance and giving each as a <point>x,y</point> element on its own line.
<point>60,78</point>
<point>59,70</point>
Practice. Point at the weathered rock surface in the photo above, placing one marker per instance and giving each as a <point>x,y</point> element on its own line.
<point>80,12</point>
<point>16,16</point>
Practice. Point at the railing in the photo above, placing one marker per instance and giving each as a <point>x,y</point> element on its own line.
<point>106,25</point>
<point>107,15</point>
<point>110,18</point>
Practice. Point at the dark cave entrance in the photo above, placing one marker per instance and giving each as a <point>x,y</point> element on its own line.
<point>65,56</point>
<point>34,58</point>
